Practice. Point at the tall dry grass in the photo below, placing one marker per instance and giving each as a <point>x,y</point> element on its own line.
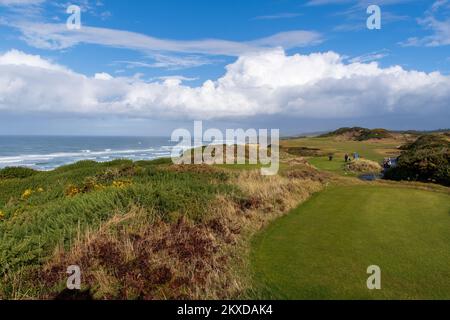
<point>138,256</point>
<point>364,166</point>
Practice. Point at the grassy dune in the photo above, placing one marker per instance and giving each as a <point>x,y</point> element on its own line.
<point>143,230</point>
<point>49,210</point>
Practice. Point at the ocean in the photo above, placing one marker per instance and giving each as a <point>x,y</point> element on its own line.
<point>46,153</point>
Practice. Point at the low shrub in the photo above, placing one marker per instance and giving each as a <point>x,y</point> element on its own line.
<point>426,160</point>
<point>16,172</point>
<point>304,152</point>
<point>360,134</point>
<point>363,166</point>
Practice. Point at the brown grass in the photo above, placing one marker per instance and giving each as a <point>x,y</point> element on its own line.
<point>133,256</point>
<point>364,166</point>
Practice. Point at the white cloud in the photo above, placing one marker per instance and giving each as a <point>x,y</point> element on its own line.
<point>438,5</point>
<point>372,56</point>
<point>170,62</point>
<point>18,58</point>
<point>22,9</point>
<point>437,20</point>
<point>276,16</point>
<point>57,36</point>
<point>359,3</point>
<point>326,2</point>
<point>319,85</point>
<point>177,77</point>
<point>20,2</point>
<point>441,32</point>
<point>103,76</point>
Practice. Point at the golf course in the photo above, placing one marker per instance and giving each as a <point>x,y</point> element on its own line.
<point>322,248</point>
<point>156,230</point>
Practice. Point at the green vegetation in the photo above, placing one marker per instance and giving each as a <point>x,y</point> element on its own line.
<point>304,151</point>
<point>11,173</point>
<point>360,134</point>
<point>323,147</point>
<point>155,230</point>
<point>372,150</point>
<point>421,133</point>
<point>427,160</point>
<point>322,249</point>
<point>351,168</point>
<point>142,230</point>
<point>363,166</point>
<point>323,163</point>
<point>49,209</point>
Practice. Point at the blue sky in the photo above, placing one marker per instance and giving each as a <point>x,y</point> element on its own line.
<point>143,65</point>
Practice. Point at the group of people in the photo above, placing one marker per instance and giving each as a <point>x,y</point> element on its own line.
<point>387,162</point>
<point>347,157</point>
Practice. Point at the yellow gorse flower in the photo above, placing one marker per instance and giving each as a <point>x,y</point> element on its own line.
<point>27,193</point>
<point>2,215</point>
<point>72,191</point>
<point>99,186</point>
<point>121,184</point>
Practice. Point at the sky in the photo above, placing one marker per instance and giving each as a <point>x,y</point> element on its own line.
<point>148,67</point>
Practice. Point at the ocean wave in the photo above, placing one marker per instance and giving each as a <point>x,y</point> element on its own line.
<point>56,159</point>
<point>51,156</point>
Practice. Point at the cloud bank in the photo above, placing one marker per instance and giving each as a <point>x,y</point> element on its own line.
<point>319,85</point>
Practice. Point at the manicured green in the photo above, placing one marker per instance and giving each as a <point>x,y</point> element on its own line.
<point>322,249</point>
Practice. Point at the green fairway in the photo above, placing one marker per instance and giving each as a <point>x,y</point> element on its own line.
<point>323,163</point>
<point>372,150</point>
<point>322,249</point>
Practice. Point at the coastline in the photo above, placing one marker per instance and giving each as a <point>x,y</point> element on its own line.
<point>45,153</point>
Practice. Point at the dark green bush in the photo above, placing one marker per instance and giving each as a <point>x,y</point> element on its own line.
<point>16,172</point>
<point>368,134</point>
<point>305,152</point>
<point>360,134</point>
<point>426,160</point>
